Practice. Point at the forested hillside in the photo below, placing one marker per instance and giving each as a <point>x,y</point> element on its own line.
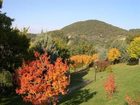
<point>90,36</point>
<point>95,31</point>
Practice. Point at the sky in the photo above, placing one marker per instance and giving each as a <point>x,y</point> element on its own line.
<point>55,14</point>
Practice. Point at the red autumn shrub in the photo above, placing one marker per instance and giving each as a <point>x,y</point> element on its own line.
<point>109,86</point>
<point>131,101</point>
<point>101,65</point>
<point>41,82</point>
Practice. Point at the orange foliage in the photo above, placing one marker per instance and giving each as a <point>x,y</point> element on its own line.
<point>95,57</point>
<point>131,101</point>
<point>40,81</point>
<point>109,86</point>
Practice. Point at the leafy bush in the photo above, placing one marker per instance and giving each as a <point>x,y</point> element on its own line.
<point>131,101</point>
<point>121,45</point>
<point>6,79</point>
<point>134,48</point>
<point>80,60</point>
<point>41,82</point>
<point>113,54</point>
<point>110,86</point>
<point>101,65</point>
<point>54,46</point>
<point>6,82</point>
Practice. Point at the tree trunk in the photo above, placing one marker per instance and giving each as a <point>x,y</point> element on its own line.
<point>139,61</point>
<point>95,75</point>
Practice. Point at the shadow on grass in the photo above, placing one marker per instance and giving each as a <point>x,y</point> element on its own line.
<point>11,100</point>
<point>77,97</point>
<point>77,79</point>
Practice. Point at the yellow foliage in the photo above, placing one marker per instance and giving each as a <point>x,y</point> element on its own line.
<point>81,59</point>
<point>113,54</point>
<point>134,48</point>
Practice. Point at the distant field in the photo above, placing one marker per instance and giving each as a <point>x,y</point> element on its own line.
<point>127,81</point>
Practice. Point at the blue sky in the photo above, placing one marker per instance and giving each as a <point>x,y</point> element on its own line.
<point>55,14</point>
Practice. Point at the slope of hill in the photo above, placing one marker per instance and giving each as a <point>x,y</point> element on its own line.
<point>96,31</point>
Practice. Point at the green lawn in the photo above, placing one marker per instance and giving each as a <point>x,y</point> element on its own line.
<point>127,81</point>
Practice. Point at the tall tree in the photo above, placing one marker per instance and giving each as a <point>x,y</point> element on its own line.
<point>13,44</point>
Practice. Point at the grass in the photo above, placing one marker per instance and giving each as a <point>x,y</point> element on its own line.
<point>127,81</point>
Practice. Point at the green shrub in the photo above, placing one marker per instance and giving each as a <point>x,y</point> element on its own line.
<point>6,82</point>
<point>6,79</point>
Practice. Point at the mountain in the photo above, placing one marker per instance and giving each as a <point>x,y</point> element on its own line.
<point>94,30</point>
